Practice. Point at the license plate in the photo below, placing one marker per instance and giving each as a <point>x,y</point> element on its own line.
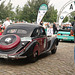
<point>64,38</point>
<point>65,35</point>
<point>3,55</point>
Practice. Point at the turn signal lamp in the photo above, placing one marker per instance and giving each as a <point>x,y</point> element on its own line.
<point>72,35</point>
<point>58,34</point>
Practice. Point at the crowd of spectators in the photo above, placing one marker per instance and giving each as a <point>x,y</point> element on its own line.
<point>6,23</point>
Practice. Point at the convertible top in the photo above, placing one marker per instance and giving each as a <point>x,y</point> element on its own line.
<point>25,26</point>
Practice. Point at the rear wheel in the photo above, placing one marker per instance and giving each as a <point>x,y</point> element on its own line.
<point>34,57</point>
<point>54,50</point>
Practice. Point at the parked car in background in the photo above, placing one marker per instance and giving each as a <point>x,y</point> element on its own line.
<point>26,40</point>
<point>64,34</point>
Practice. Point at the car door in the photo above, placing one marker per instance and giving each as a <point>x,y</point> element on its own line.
<point>43,38</point>
<point>36,36</point>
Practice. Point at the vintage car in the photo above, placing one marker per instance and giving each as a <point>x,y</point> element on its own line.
<point>26,40</point>
<point>64,34</point>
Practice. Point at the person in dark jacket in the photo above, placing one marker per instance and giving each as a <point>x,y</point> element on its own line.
<point>54,28</point>
<point>73,29</point>
<point>41,23</point>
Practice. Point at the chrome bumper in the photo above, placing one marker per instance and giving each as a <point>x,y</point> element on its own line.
<point>6,56</point>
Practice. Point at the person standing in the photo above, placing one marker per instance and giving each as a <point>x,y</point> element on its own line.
<point>54,28</point>
<point>41,23</point>
<point>0,28</point>
<point>73,29</point>
<point>6,23</point>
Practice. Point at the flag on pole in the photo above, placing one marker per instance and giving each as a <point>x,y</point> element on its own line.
<point>41,12</point>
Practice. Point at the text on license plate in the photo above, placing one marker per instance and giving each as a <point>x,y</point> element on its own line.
<point>65,35</point>
<point>64,38</point>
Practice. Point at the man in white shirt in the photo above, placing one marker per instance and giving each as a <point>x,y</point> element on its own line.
<point>6,23</point>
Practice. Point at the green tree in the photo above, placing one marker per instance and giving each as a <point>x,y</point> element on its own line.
<point>2,11</point>
<point>30,11</point>
<point>65,19</point>
<point>18,13</point>
<point>51,15</point>
<point>6,10</point>
<point>72,16</point>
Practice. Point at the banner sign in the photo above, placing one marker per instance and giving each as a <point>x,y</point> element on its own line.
<point>42,10</point>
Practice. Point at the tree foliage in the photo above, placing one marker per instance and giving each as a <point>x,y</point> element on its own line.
<point>65,19</point>
<point>29,12</point>
<point>72,16</point>
<point>18,13</point>
<point>6,10</point>
<point>51,15</point>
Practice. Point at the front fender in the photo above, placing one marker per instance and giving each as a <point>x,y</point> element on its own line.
<point>53,42</point>
<point>31,48</point>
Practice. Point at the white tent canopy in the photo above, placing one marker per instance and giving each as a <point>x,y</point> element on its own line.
<point>67,8</point>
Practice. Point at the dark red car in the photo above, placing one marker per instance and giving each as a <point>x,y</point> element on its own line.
<point>26,40</point>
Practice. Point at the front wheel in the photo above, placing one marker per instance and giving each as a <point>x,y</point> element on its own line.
<point>54,50</point>
<point>34,57</point>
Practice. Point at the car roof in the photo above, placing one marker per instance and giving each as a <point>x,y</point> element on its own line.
<point>24,25</point>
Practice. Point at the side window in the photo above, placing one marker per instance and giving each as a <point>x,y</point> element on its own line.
<point>21,31</point>
<point>12,31</point>
<point>35,33</point>
<point>42,31</point>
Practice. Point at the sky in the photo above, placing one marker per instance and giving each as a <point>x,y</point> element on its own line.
<point>16,2</point>
<point>56,3</point>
